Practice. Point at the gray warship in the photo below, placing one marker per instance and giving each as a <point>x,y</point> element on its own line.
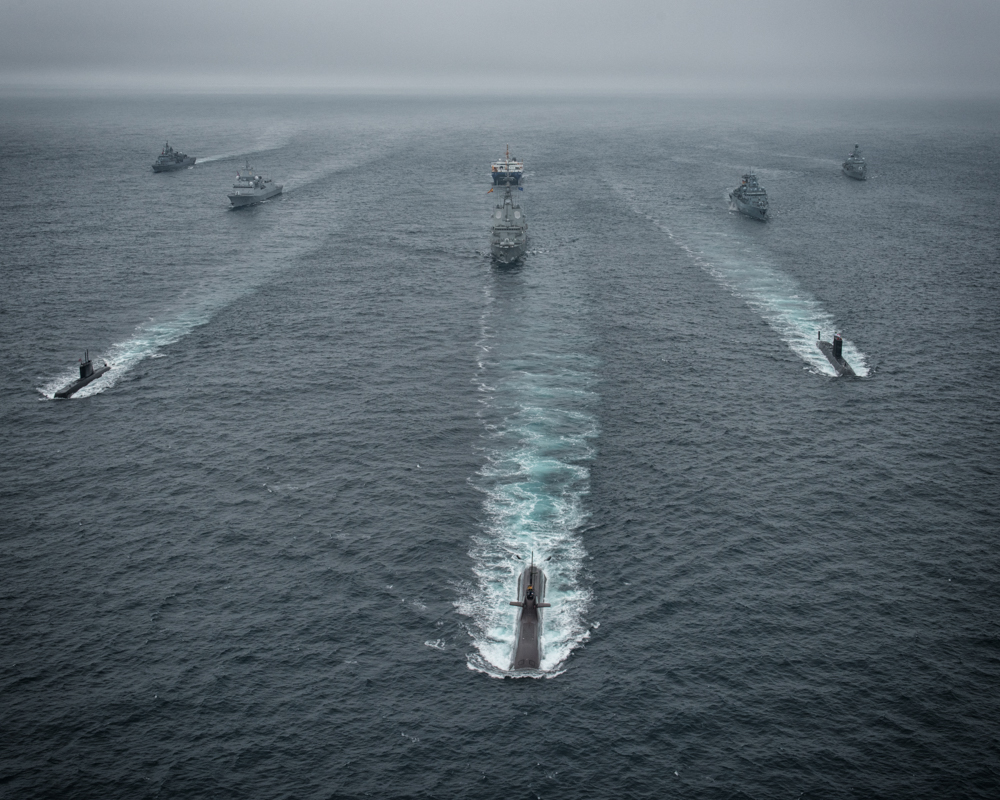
<point>171,159</point>
<point>509,238</point>
<point>251,188</point>
<point>528,642</point>
<point>750,198</point>
<point>855,166</point>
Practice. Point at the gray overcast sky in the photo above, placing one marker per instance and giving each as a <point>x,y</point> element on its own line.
<point>719,45</point>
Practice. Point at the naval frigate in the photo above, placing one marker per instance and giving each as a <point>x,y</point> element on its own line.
<point>251,188</point>
<point>750,198</point>
<point>855,166</point>
<point>509,238</point>
<point>171,159</point>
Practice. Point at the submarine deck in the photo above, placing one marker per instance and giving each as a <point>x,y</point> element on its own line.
<point>78,384</point>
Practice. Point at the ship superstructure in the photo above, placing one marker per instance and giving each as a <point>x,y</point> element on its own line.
<point>509,237</point>
<point>750,198</point>
<point>507,171</point>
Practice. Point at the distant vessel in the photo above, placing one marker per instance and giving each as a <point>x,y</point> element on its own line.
<point>172,159</point>
<point>507,171</point>
<point>835,354</point>
<point>528,642</point>
<point>87,375</point>
<point>855,166</point>
<point>509,238</point>
<point>250,188</point>
<point>750,198</point>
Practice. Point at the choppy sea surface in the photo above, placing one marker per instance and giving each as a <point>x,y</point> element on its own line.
<point>270,554</point>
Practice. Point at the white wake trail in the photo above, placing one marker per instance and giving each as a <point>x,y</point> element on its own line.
<point>778,298</point>
<point>148,339</point>
<point>538,436</point>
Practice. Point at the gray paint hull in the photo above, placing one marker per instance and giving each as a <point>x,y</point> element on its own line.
<point>239,200</point>
<point>508,254</point>
<point>749,210</point>
<point>187,162</point>
<point>858,175</point>
<point>73,388</point>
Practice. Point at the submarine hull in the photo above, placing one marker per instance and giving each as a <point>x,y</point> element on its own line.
<point>528,644</point>
<point>77,385</point>
<point>839,364</point>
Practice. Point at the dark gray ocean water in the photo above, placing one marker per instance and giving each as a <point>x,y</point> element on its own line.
<point>270,554</point>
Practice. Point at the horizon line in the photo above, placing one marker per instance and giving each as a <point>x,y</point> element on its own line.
<point>106,82</point>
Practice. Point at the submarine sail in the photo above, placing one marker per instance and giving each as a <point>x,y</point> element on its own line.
<point>835,354</point>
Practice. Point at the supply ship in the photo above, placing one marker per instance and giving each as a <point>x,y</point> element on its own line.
<point>507,171</point>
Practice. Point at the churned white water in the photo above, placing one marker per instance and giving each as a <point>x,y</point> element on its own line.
<point>538,440</point>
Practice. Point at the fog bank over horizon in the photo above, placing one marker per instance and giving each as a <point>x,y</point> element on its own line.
<point>845,47</point>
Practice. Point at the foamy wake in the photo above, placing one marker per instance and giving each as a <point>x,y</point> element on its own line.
<point>789,310</point>
<point>220,157</point>
<point>538,435</point>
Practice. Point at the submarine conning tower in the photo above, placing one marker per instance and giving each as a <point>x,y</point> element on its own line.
<point>838,346</point>
<point>86,368</point>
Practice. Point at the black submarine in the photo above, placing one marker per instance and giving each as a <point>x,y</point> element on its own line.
<point>530,594</point>
<point>835,353</point>
<point>87,375</point>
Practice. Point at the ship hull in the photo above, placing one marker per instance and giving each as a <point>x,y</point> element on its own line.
<point>187,162</point>
<point>240,200</point>
<point>751,211</point>
<point>858,175</point>
<point>508,253</point>
<point>527,653</point>
<point>76,386</point>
